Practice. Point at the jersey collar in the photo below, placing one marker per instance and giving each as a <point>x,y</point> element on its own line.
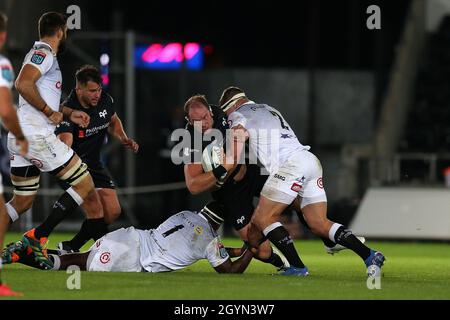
<point>248,102</point>
<point>44,44</point>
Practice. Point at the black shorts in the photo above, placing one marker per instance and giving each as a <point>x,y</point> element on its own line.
<point>101,177</point>
<point>237,197</point>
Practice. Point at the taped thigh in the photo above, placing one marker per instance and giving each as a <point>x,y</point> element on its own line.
<point>76,173</point>
<point>30,185</point>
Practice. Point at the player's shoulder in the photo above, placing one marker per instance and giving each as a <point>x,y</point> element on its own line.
<point>107,97</point>
<point>6,73</point>
<point>4,61</point>
<point>39,54</point>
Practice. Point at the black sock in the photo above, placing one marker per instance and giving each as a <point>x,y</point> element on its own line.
<point>81,237</point>
<point>347,239</point>
<point>274,260</point>
<point>283,241</point>
<point>61,208</point>
<point>97,228</point>
<point>327,242</point>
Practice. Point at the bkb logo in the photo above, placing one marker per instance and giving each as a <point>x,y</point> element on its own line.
<point>38,57</point>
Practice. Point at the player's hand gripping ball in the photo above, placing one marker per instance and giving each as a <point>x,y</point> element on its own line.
<point>212,157</point>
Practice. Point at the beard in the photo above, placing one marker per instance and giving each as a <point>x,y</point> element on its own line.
<point>62,46</point>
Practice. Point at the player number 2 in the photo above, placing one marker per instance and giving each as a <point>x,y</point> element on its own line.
<point>283,125</point>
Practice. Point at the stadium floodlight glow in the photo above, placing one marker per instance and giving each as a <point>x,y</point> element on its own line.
<point>104,59</point>
<point>104,69</point>
<point>169,56</point>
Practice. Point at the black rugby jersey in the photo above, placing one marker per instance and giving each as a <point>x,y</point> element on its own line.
<point>87,142</point>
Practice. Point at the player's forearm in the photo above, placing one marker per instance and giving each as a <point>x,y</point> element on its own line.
<point>117,131</point>
<point>66,111</point>
<point>201,182</point>
<point>239,265</point>
<point>30,93</point>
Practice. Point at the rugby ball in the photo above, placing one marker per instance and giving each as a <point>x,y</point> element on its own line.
<point>212,157</point>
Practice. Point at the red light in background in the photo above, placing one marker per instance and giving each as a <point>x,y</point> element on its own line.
<point>152,53</point>
<point>105,79</point>
<point>172,51</point>
<point>190,50</point>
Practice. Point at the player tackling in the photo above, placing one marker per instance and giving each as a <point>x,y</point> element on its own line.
<point>295,176</point>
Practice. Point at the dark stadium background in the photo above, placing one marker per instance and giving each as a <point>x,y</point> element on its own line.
<point>256,37</point>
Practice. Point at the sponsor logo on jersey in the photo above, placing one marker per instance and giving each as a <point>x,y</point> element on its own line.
<point>198,230</point>
<point>94,130</point>
<point>105,257</point>
<point>38,57</point>
<point>58,85</point>
<point>320,183</point>
<point>277,176</point>
<point>222,251</point>
<point>81,134</point>
<point>241,220</point>
<point>37,163</point>
<point>103,114</point>
<point>296,187</point>
<point>285,136</point>
<point>7,73</point>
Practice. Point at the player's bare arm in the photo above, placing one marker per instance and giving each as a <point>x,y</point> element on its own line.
<point>78,117</point>
<point>197,180</point>
<point>116,130</point>
<point>26,86</point>
<point>9,116</point>
<point>236,266</point>
<point>66,137</point>
<point>239,137</point>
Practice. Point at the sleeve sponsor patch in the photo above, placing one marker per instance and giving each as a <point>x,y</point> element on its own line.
<point>222,251</point>
<point>38,57</point>
<point>7,73</point>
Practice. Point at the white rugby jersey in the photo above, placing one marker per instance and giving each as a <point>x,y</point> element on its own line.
<point>271,139</point>
<point>32,121</point>
<point>7,73</point>
<point>178,242</point>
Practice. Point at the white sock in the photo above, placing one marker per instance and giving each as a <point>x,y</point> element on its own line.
<point>56,262</point>
<point>12,213</point>
<point>333,230</point>
<point>271,227</point>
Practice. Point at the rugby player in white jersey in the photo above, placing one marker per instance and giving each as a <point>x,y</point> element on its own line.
<point>39,85</point>
<point>10,121</point>
<point>181,240</point>
<point>295,176</point>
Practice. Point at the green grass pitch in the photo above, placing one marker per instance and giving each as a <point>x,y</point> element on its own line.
<point>412,271</point>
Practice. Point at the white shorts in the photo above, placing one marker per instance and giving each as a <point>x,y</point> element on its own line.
<point>300,175</point>
<point>117,251</point>
<point>47,153</point>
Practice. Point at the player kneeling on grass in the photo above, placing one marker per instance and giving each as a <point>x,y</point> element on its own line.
<point>178,242</point>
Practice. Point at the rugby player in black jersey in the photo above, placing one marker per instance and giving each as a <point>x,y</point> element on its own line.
<point>87,143</point>
<point>243,182</point>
